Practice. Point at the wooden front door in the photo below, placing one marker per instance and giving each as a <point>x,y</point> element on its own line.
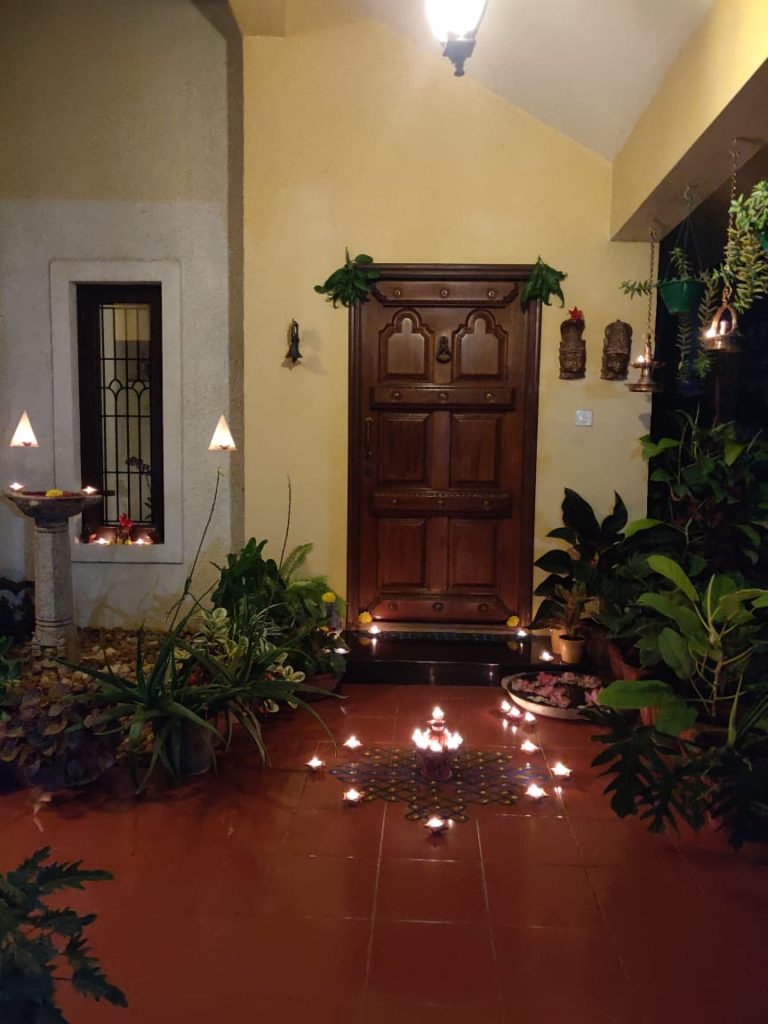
<point>443,414</point>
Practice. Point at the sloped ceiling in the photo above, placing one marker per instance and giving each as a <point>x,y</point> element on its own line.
<point>586,67</point>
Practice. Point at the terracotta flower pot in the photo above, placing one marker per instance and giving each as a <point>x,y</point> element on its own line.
<point>622,669</point>
<point>572,649</point>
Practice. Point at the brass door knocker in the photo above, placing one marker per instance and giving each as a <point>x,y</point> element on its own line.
<point>444,354</point>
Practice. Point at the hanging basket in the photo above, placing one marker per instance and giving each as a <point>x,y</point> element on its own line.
<point>681,296</point>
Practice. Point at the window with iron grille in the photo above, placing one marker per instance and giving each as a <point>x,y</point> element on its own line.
<point>119,337</point>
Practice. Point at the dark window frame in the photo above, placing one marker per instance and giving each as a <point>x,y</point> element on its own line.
<point>90,300</point>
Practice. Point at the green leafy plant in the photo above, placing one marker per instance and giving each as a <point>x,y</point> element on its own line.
<point>351,283</point>
<point>708,638</point>
<point>43,947</point>
<point>715,496</point>
<point>543,283</point>
<point>50,735</point>
<point>591,549</point>
<point>745,264</point>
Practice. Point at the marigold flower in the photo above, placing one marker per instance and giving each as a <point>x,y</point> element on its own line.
<point>54,493</point>
<point>513,620</point>
<point>329,597</point>
<point>365,618</point>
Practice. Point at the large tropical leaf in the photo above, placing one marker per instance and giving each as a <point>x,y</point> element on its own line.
<point>669,568</point>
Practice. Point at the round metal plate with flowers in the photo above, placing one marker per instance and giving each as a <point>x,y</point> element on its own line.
<point>553,694</point>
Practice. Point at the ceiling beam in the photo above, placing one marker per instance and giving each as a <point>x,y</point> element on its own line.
<point>715,92</point>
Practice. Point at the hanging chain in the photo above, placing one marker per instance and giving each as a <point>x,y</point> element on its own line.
<point>652,279</point>
<point>731,219</point>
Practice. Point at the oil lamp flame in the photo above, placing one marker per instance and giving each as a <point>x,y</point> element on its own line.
<point>528,747</point>
<point>547,656</point>
<point>222,440</point>
<point>560,770</point>
<point>314,763</point>
<point>436,825</point>
<point>375,630</point>
<point>352,743</point>
<point>15,487</point>
<point>528,717</point>
<point>506,707</point>
<point>89,490</point>
<point>536,792</point>
<point>352,796</point>
<point>23,435</point>
<point>438,714</point>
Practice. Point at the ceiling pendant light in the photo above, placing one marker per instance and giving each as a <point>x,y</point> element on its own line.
<point>454,23</point>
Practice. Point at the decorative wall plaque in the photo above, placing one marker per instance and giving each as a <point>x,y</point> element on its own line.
<point>617,345</point>
<point>573,348</point>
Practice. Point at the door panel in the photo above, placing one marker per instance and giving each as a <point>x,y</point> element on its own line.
<point>443,398</point>
<point>404,448</point>
<point>402,553</point>
<point>476,449</point>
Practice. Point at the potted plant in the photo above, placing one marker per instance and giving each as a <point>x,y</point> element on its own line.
<point>681,291</point>
<point>43,946</point>
<point>572,640</point>
<point>706,753</point>
<point>751,212</point>
<point>51,735</point>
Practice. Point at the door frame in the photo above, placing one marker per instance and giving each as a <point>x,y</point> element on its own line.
<point>516,274</point>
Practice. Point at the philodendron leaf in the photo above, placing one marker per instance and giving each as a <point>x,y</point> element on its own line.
<point>363,258</point>
<point>634,694</point>
<point>653,448</point>
<point>731,451</point>
<point>675,716</point>
<point>675,653</point>
<point>686,618</point>
<point>638,525</point>
<point>669,568</point>
<point>558,562</point>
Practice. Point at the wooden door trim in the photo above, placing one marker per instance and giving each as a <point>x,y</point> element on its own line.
<point>441,271</point>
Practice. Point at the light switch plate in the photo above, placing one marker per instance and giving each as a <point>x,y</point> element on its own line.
<point>583,417</point>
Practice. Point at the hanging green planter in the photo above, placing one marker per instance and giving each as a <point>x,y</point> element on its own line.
<point>681,295</point>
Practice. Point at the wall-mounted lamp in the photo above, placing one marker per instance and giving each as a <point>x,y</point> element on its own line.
<point>23,435</point>
<point>294,353</point>
<point>454,23</point>
<point>222,440</point>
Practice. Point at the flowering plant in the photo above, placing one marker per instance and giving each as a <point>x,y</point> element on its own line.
<point>559,690</point>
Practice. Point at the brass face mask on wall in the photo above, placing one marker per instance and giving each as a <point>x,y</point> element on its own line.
<point>617,346</point>
<point>573,347</point>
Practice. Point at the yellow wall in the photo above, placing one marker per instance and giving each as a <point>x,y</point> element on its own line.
<point>728,48</point>
<point>352,136</point>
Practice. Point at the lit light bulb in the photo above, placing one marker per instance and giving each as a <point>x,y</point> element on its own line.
<point>454,18</point>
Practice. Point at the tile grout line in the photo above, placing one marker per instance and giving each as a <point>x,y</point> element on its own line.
<point>369,954</point>
<point>489,925</point>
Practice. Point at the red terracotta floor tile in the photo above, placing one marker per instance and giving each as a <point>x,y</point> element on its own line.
<point>320,887</point>
<point>562,974</point>
<point>246,896</point>
<point>409,839</point>
<point>547,895</point>
<point>521,841</point>
<point>610,842</point>
<point>346,832</point>
<point>420,963</point>
<point>430,890</point>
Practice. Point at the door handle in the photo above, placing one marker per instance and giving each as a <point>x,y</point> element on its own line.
<point>369,437</point>
<point>444,354</point>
